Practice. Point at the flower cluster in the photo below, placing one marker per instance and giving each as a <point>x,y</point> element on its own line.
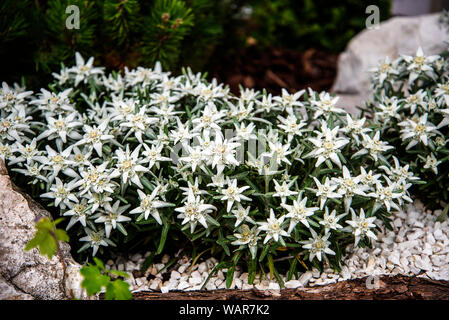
<point>410,108</point>
<point>146,156</point>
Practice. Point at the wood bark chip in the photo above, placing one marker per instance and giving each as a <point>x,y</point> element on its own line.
<point>389,288</point>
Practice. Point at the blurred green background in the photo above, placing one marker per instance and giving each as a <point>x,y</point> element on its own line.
<point>34,39</point>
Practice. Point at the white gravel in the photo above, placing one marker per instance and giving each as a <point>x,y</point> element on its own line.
<point>419,245</point>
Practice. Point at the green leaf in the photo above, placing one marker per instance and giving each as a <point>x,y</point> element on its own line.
<point>119,273</point>
<point>61,235</point>
<point>93,281</point>
<point>230,276</point>
<point>45,242</point>
<point>99,263</point>
<point>163,237</point>
<point>118,290</point>
<point>47,237</point>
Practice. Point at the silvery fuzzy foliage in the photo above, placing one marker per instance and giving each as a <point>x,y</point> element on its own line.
<point>150,155</point>
<point>410,107</point>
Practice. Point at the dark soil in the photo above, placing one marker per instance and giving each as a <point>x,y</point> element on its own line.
<point>274,69</point>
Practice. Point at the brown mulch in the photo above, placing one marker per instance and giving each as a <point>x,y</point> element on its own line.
<point>389,288</point>
<point>274,69</point>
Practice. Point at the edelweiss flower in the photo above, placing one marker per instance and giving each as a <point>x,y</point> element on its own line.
<point>233,193</point>
<point>326,191</point>
<point>153,155</point>
<point>398,173</point>
<point>223,153</point>
<point>291,126</point>
<point>210,119</point>
<point>11,97</point>
<point>247,237</point>
<point>242,214</point>
<point>84,71</point>
<point>415,100</point>
<point>61,193</point>
<point>94,240</point>
<point>298,212</point>
<point>418,130</point>
<point>279,152</point>
<point>273,228</point>
<point>182,134</point>
<point>349,186</point>
<point>138,124</point>
<point>374,146</point>
<point>129,166</point>
<point>327,145</point>
<point>95,136</point>
<point>283,191</point>
<point>194,211</point>
<point>96,179</point>
<point>55,103</point>
<point>355,128</point>
<point>330,221</point>
<point>389,108</point>
<point>27,153</point>
<point>368,178</point>
<point>62,128</point>
<point>361,226</point>
<point>79,212</point>
<point>384,71</point>
<point>442,93</point>
<point>58,161</point>
<point>432,163</point>
<point>318,246</point>
<point>245,132</point>
<point>267,104</point>
<point>288,101</point>
<point>112,217</point>
<point>420,64</point>
<point>194,188</point>
<point>386,195</point>
<point>325,104</point>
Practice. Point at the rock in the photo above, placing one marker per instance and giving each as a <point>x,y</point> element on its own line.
<point>222,285</point>
<point>155,284</point>
<point>195,278</point>
<point>130,266</point>
<point>202,267</point>
<point>211,286</point>
<point>238,283</point>
<point>305,277</point>
<point>274,286</point>
<point>415,235</point>
<point>398,35</point>
<point>8,292</point>
<point>141,281</point>
<point>293,284</point>
<point>247,286</point>
<point>165,289</point>
<point>136,257</point>
<point>394,258</point>
<point>28,272</point>
<point>218,282</point>
<point>182,268</point>
<point>438,234</point>
<point>165,258</point>
<point>175,275</point>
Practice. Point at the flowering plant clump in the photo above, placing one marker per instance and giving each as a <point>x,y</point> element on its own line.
<point>153,159</point>
<point>411,110</point>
